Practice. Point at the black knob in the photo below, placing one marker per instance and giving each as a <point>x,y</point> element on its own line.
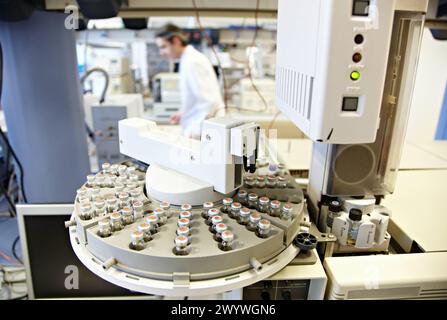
<point>305,241</point>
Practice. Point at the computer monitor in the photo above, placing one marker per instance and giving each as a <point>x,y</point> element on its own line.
<point>50,262</point>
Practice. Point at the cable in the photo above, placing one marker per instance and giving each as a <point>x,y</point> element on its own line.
<point>106,84</point>
<point>14,253</point>
<point>12,209</point>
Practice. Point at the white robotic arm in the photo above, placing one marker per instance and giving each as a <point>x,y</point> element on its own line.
<point>227,146</point>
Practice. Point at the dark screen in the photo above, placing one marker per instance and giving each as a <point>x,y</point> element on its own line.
<point>50,252</point>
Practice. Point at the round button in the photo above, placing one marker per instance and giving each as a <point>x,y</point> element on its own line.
<point>355,75</point>
<point>357,57</point>
<point>358,39</point>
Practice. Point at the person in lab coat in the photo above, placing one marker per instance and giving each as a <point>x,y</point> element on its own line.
<point>199,88</point>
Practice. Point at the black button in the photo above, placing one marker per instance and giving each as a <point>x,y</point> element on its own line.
<point>359,39</point>
<point>350,103</point>
<point>360,8</point>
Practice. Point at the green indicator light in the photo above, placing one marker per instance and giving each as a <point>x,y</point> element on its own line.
<point>355,75</point>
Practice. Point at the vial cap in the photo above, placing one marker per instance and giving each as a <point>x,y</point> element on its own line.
<point>99,203</point>
<point>115,216</point>
<point>103,223</point>
<point>271,178</point>
<point>123,196</point>
<point>183,222</point>
<point>227,236</point>
<point>165,205</point>
<point>236,205</point>
<point>181,241</point>
<point>86,207</point>
<point>216,219</point>
<point>264,200</point>
<point>208,205</point>
<point>244,212</point>
<point>137,205</point>
<point>213,212</point>
<point>96,190</point>
<point>249,178</point>
<point>242,193</point>
<point>126,211</point>
<point>264,224</point>
<point>136,236</point>
<point>355,214</point>
<point>90,178</point>
<point>131,170</point>
<point>227,201</point>
<point>111,200</point>
<point>255,217</point>
<point>152,219</point>
<point>185,214</point>
<point>335,206</point>
<point>287,207</point>
<point>183,230</point>
<point>275,204</point>
<point>221,227</point>
<point>122,169</point>
<point>159,212</point>
<point>144,227</point>
<point>260,178</point>
<point>186,207</point>
<point>282,179</point>
<point>105,166</point>
<point>252,196</point>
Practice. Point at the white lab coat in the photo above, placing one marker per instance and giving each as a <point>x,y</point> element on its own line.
<point>200,91</point>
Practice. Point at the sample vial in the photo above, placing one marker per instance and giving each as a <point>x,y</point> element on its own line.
<point>181,245</point>
<point>104,230</point>
<point>355,220</point>
<point>134,178</point>
<point>137,209</point>
<point>286,212</point>
<point>122,170</point>
<point>185,214</point>
<point>131,185</point>
<point>215,221</point>
<point>263,205</point>
<point>127,215</point>
<point>116,222</point>
<point>105,167</point>
<point>100,180</point>
<point>264,227</point>
<point>183,222</point>
<point>160,214</point>
<point>83,200</point>
<point>121,180</point>
<point>112,204</point>
<point>227,202</point>
<point>137,240</point>
<point>275,208</point>
<point>260,181</point>
<point>211,213</point>
<point>186,207</point>
<point>250,181</point>
<point>243,216</point>
<point>119,188</point>
<point>114,169</point>
<point>281,183</point>
<point>253,221</point>
<point>152,220</point>
<point>183,231</point>
<point>86,211</point>
<point>242,197</point>
<point>95,192</point>
<point>124,200</point>
<point>252,200</point>
<point>281,168</point>
<point>136,194</point>
<point>220,228</point>
<point>271,181</point>
<point>100,212</point>
<point>206,207</point>
<point>100,203</point>
<point>131,170</point>
<point>81,193</point>
<point>91,181</point>
<point>145,229</point>
<point>334,211</point>
<point>166,206</point>
<point>273,168</point>
<point>227,240</point>
<point>235,208</point>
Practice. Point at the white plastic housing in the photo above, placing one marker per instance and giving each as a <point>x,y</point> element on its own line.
<point>315,48</point>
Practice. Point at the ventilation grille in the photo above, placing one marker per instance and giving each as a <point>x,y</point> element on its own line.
<point>295,90</point>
